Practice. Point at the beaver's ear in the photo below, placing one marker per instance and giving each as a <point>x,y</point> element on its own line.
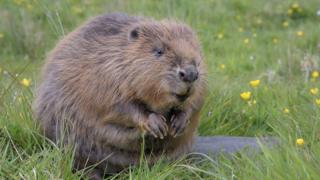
<point>134,34</point>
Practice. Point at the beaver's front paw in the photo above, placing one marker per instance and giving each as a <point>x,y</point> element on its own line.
<point>179,122</point>
<point>156,125</point>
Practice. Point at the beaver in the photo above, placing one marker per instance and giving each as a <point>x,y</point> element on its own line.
<point>121,81</point>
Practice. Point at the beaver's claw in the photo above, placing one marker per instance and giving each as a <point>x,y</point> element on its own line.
<point>156,125</point>
<point>179,122</point>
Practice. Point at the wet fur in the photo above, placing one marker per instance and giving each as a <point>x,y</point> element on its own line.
<point>101,81</point>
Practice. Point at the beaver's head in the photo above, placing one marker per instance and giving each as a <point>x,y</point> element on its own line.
<point>165,62</point>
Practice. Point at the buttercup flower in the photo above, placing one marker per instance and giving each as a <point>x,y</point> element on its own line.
<point>222,66</point>
<point>285,24</point>
<point>300,142</point>
<point>275,40</point>
<point>245,95</point>
<point>314,91</point>
<point>25,82</point>
<point>220,35</point>
<point>254,83</point>
<point>318,102</point>
<point>29,7</point>
<point>300,33</point>
<point>294,9</point>
<point>315,74</point>
<point>295,6</point>
<point>246,41</point>
<point>240,29</point>
<point>259,21</point>
<point>286,110</point>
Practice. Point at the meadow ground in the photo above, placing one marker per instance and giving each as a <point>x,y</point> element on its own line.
<point>276,42</point>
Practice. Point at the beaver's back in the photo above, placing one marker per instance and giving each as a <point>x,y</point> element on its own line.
<point>71,73</point>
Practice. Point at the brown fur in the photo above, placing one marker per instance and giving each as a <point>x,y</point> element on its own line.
<point>103,88</point>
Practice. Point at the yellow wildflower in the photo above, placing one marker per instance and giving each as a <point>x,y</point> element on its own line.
<point>300,142</point>
<point>259,21</point>
<point>220,35</point>
<point>246,41</point>
<point>300,33</point>
<point>285,24</point>
<point>222,66</point>
<point>315,74</point>
<point>240,29</point>
<point>314,91</point>
<point>290,11</point>
<point>275,40</point>
<point>29,7</point>
<point>254,35</point>
<point>26,82</point>
<point>318,102</point>
<point>286,110</point>
<point>295,6</point>
<point>245,95</point>
<point>254,83</point>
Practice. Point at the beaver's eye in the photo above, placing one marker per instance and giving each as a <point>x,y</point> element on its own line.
<point>158,52</point>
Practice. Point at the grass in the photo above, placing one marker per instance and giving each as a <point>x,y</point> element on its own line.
<point>242,41</point>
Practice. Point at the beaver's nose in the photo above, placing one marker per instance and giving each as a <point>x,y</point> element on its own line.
<point>188,74</point>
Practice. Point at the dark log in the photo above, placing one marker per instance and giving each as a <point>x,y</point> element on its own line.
<point>228,145</point>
